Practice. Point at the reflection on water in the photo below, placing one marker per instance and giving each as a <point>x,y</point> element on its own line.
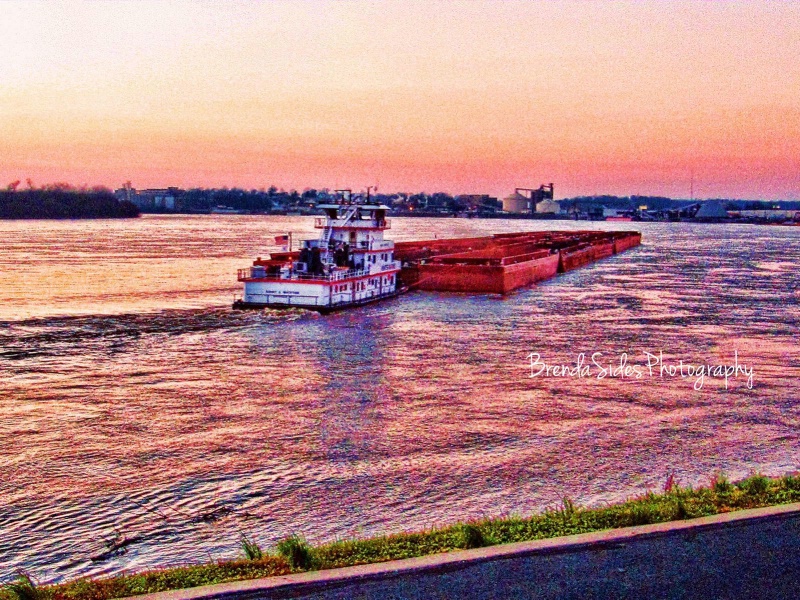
<point>134,403</point>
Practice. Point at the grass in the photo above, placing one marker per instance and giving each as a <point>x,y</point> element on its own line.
<point>472,536</point>
<point>293,554</point>
<point>23,588</point>
<point>296,552</point>
<point>250,549</point>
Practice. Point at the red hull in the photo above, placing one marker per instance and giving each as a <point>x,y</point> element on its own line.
<point>505,262</point>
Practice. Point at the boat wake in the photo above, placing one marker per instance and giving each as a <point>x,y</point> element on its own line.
<point>57,336</point>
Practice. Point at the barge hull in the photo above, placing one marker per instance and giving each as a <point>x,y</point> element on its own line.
<point>502,263</point>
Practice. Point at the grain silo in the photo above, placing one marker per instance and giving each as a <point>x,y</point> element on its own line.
<point>516,203</point>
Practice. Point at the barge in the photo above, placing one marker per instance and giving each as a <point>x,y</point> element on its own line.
<point>351,263</point>
<point>501,263</point>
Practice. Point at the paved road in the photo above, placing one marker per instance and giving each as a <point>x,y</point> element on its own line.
<point>757,557</point>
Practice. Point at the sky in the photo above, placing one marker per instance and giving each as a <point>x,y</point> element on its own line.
<point>640,97</point>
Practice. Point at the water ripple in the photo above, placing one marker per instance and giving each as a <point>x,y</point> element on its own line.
<point>143,423</point>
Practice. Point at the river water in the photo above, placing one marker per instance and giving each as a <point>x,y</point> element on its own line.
<point>135,404</point>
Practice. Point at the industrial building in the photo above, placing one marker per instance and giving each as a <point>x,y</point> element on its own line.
<point>528,200</point>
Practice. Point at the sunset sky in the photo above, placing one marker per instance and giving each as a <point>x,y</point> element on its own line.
<point>464,97</point>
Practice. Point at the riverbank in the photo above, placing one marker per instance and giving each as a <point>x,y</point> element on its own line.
<point>63,202</point>
<point>693,559</point>
<point>293,555</point>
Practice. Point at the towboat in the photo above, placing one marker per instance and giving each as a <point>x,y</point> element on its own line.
<point>350,264</point>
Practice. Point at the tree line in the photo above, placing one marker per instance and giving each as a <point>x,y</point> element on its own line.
<point>62,201</point>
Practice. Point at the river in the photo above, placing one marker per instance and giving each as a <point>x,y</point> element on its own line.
<point>135,404</point>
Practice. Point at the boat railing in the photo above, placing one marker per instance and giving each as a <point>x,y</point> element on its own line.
<point>362,245</point>
<point>339,275</point>
<point>323,222</point>
<point>373,245</point>
<point>248,275</point>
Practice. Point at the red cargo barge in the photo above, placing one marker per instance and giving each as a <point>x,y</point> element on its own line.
<point>504,262</point>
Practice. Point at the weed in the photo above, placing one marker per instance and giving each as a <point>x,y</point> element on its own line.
<point>681,512</point>
<point>24,588</point>
<point>471,536</point>
<point>670,483</point>
<point>720,484</point>
<point>641,514</point>
<point>296,552</point>
<point>792,482</point>
<point>251,549</point>
<point>757,484</point>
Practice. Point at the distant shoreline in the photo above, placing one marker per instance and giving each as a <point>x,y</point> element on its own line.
<point>488,216</point>
<point>61,202</point>
<point>92,218</point>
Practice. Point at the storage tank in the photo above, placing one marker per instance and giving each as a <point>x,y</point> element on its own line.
<point>516,203</point>
<point>548,206</point>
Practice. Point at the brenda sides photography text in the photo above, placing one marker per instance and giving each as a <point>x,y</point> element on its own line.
<point>652,365</point>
